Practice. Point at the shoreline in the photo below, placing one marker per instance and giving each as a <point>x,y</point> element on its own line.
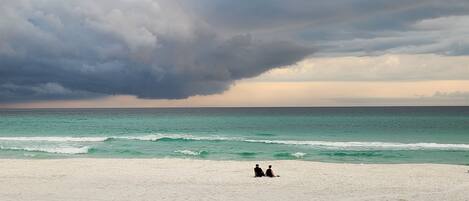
<point>221,160</point>
<point>225,160</point>
<point>201,179</point>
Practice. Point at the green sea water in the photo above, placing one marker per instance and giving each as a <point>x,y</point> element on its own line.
<point>342,134</point>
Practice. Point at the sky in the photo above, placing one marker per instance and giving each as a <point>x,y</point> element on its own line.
<point>222,53</point>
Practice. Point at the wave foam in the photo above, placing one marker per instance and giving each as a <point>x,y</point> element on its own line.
<point>55,150</point>
<point>153,137</point>
<point>368,145</point>
<point>156,137</point>
<point>56,139</point>
<point>188,152</point>
<point>298,154</point>
<point>314,144</point>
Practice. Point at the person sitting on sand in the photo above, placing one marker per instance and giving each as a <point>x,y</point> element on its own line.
<point>270,173</point>
<point>258,171</point>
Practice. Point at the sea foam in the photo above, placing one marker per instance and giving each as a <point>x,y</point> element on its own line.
<point>298,154</point>
<point>313,144</point>
<point>367,145</point>
<point>56,139</point>
<point>188,152</point>
<point>152,137</point>
<point>55,150</point>
<point>156,137</point>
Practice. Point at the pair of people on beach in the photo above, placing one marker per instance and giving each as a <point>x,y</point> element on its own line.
<point>268,173</point>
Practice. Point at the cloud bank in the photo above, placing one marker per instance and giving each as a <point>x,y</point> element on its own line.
<point>350,27</point>
<point>150,49</point>
<point>163,49</point>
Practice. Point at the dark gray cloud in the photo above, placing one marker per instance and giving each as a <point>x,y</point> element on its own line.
<point>175,49</point>
<point>48,91</point>
<point>346,27</point>
<point>85,49</point>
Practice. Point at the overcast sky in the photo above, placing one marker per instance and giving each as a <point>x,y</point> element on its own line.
<point>158,53</point>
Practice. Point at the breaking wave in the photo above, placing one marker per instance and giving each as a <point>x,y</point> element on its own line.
<point>190,153</point>
<point>154,137</point>
<point>314,144</point>
<point>55,150</point>
<point>56,139</point>
<point>298,154</point>
<point>368,145</point>
<point>157,137</point>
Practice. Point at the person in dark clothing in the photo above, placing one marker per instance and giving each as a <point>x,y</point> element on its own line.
<point>258,171</point>
<point>269,172</point>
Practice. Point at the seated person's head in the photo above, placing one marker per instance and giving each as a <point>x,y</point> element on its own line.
<point>270,166</point>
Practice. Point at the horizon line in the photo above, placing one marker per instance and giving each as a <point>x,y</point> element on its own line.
<point>234,107</point>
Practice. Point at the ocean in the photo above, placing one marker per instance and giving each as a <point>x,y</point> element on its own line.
<point>327,134</point>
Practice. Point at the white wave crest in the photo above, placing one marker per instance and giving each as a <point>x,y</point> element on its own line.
<point>314,144</point>
<point>56,139</point>
<point>188,152</point>
<point>142,138</point>
<point>298,154</point>
<point>156,137</point>
<point>368,145</point>
<point>152,137</point>
<point>55,150</point>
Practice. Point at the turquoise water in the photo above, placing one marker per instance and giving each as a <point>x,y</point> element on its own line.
<point>351,135</point>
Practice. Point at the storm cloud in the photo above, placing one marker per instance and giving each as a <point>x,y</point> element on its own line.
<point>83,49</point>
<point>349,27</point>
<point>162,49</point>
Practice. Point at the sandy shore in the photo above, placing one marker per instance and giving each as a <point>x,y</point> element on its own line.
<point>179,179</point>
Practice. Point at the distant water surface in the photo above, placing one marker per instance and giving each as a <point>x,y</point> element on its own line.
<point>341,134</point>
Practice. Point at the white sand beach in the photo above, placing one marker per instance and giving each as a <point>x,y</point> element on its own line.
<point>180,179</point>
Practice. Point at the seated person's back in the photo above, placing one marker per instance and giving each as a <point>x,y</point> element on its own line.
<point>258,171</point>
<point>269,172</point>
